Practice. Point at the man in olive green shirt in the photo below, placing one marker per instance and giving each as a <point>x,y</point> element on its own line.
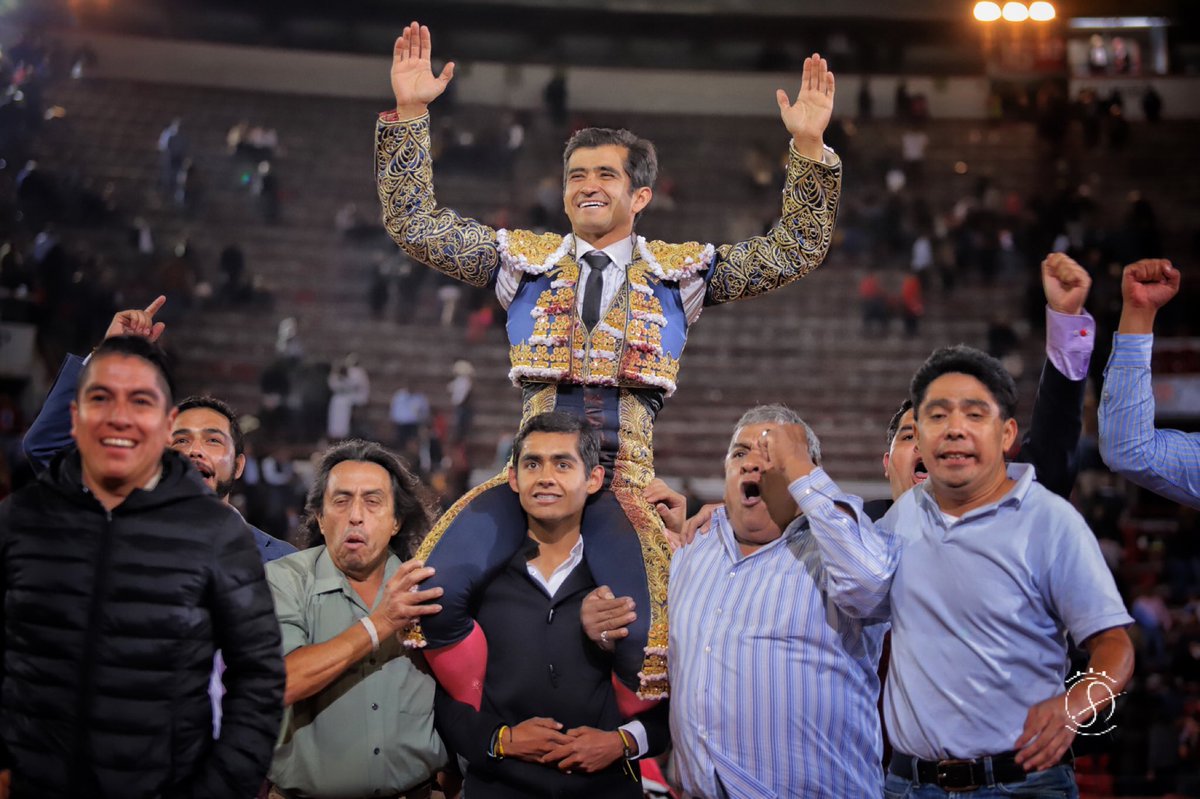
<point>359,720</point>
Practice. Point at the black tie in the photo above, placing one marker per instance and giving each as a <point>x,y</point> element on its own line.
<point>593,290</point>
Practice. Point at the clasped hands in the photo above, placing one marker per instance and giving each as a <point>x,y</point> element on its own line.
<point>542,740</point>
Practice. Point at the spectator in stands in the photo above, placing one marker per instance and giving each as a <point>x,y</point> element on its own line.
<point>409,412</point>
<point>873,299</point>
<point>608,179</point>
<point>913,144</point>
<point>173,148</point>
<point>461,390</point>
<point>785,523</point>
<point>912,303</point>
<point>1036,574</point>
<point>351,389</point>
<point>359,720</point>
<point>1152,104</point>
<point>548,724</point>
<point>554,95</point>
<point>38,196</point>
<point>1166,462</point>
<point>866,103</point>
<point>266,188</point>
<point>119,529</point>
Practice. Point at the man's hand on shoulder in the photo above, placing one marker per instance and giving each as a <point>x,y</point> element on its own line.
<point>402,601</point>
<point>605,618</point>
<point>671,506</point>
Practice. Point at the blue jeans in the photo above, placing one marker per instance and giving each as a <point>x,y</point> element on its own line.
<point>1053,783</point>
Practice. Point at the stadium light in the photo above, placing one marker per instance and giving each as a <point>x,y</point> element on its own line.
<point>987,11</point>
<point>1041,11</point>
<point>1015,12</point>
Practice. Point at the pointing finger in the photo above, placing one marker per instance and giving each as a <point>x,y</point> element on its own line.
<point>153,307</point>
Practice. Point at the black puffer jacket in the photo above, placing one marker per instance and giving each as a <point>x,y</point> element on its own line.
<point>110,622</point>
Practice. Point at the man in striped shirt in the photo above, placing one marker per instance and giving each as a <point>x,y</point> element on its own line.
<point>773,684</point>
<point>1166,462</point>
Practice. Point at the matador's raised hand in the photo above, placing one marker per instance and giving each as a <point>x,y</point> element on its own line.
<point>413,81</point>
<point>807,118</point>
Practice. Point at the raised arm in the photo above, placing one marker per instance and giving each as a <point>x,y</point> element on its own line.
<point>1052,442</point>
<point>458,247</point>
<point>797,244</point>
<point>1166,462</point>
<point>860,560</point>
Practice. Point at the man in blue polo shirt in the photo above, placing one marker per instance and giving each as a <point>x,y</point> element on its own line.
<point>994,572</point>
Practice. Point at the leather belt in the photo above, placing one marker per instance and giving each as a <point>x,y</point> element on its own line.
<point>962,775</point>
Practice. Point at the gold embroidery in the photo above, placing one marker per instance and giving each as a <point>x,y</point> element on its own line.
<point>794,247</point>
<point>676,257</point>
<point>656,557</point>
<point>457,246</point>
<point>534,248</point>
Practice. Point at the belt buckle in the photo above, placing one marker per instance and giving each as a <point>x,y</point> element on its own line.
<point>943,773</point>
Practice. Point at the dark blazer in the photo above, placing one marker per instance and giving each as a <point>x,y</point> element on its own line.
<point>1051,444</point>
<point>50,433</point>
<point>540,663</point>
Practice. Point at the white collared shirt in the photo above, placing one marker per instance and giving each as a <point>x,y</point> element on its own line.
<point>551,585</point>
<point>554,582</point>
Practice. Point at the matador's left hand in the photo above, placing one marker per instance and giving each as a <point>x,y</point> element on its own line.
<point>807,118</point>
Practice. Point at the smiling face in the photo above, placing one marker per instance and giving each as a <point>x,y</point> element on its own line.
<point>120,421</point>
<point>963,437</point>
<point>552,482</point>
<point>205,437</point>
<point>902,464</point>
<point>746,494</point>
<point>598,195</point>
<point>358,517</point>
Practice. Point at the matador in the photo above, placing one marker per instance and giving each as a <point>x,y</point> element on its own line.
<point>597,322</point>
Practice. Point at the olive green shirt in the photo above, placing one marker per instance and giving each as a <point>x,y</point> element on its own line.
<point>370,731</point>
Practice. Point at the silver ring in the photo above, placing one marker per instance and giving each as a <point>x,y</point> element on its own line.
<point>604,636</point>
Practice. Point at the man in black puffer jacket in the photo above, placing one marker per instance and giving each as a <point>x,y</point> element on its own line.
<point>121,574</point>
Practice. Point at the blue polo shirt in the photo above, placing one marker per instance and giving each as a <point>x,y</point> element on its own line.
<point>980,611</point>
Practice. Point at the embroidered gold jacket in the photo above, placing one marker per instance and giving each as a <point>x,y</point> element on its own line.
<point>640,340</point>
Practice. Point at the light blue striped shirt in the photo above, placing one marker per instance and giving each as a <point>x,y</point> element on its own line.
<point>1166,462</point>
<point>773,681</point>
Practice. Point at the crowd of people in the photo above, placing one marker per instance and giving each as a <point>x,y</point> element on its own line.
<point>562,624</point>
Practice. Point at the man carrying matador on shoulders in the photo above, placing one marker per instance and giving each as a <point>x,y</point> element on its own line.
<point>597,321</point>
